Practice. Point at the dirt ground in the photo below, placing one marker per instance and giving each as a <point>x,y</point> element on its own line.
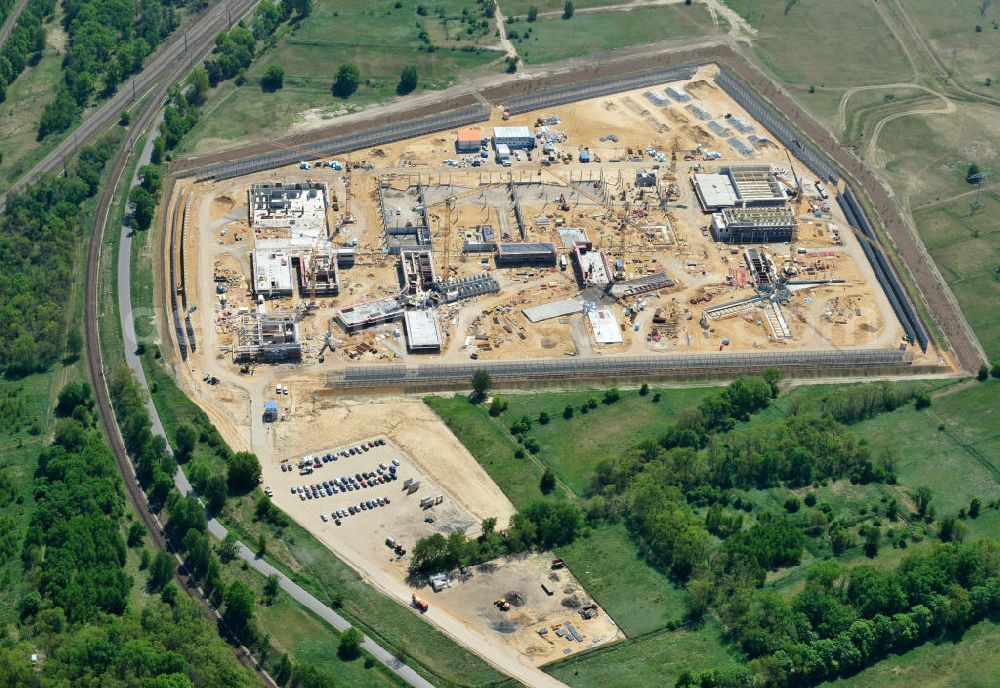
<point>519,581</point>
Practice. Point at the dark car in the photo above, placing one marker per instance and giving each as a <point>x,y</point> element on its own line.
<point>386,500</point>
<point>351,510</point>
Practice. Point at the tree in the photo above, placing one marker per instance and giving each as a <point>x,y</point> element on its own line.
<point>972,174</point>
<point>922,497</point>
<point>497,406</point>
<point>995,371</point>
<point>350,644</point>
<point>548,482</point>
<point>347,79</point>
<point>481,384</point>
<point>161,570</point>
<point>143,206</point>
<point>407,80</point>
<point>244,472</point>
<point>151,178</point>
<point>185,441</point>
<point>136,532</point>
<point>273,79</point>
<point>568,9</point>
<point>568,412</point>
<point>261,545</point>
<point>611,395</point>
<point>198,81</point>
<point>921,399</point>
<point>302,8</point>
<point>543,418</point>
<point>229,547</point>
<point>271,587</point>
<point>238,612</point>
<point>214,493</point>
<point>984,372</point>
<point>644,390</point>
<point>872,536</point>
<point>532,13</point>
<point>283,671</point>
<point>974,506</point>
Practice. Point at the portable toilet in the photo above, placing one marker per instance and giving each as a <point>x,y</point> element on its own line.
<point>585,156</point>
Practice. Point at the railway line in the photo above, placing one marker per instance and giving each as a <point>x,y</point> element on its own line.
<point>97,372</point>
<point>177,57</point>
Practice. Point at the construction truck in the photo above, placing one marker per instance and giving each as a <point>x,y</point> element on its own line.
<point>502,604</point>
<point>419,604</point>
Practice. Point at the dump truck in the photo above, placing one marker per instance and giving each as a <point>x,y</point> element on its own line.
<point>419,604</point>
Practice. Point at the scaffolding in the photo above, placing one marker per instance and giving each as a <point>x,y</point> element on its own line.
<point>267,338</point>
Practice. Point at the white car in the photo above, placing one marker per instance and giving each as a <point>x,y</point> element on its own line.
<point>268,491</point>
<point>284,390</point>
<point>323,516</point>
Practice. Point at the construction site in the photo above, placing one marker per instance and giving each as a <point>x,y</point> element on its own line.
<point>650,229</point>
<point>656,221</point>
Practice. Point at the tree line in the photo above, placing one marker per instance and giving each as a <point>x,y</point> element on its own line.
<point>107,43</point>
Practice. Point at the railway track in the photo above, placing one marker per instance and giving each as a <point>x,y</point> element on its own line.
<point>174,60</point>
<point>97,373</point>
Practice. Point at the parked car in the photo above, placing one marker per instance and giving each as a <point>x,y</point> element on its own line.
<point>381,501</point>
<point>323,516</point>
<point>294,489</point>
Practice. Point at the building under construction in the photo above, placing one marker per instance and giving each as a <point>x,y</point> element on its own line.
<point>416,271</point>
<point>753,225</point>
<point>319,275</point>
<point>267,338</point>
<point>281,204</point>
<point>518,255</point>
<point>369,313</point>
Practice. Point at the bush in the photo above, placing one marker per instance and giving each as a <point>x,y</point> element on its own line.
<point>984,372</point>
<point>568,10</point>
<point>497,406</point>
<point>543,418</point>
<point>611,395</point>
<point>792,505</point>
<point>644,390</point>
<point>407,80</point>
<point>921,399</point>
<point>273,79</point>
<point>995,371</point>
<point>532,13</point>
<point>548,482</point>
<point>346,81</point>
<point>568,412</point>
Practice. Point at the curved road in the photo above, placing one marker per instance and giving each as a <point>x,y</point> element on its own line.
<point>172,62</point>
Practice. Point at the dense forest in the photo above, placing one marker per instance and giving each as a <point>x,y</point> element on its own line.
<point>40,236</point>
<point>76,616</point>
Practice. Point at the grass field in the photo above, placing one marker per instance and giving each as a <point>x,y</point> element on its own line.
<point>557,39</point>
<point>377,36</point>
<point>966,248</point>
<point>950,28</point>
<point>574,447</point>
<point>489,441</point>
<point>653,660</point>
<point>638,597</point>
<point>308,640</point>
<point>958,462</point>
<point>847,44</point>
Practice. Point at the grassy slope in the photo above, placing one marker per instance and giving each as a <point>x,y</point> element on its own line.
<point>811,44</point>
<point>950,27</point>
<point>380,38</point>
<point>966,247</point>
<point>558,39</point>
<point>653,660</point>
<point>638,597</point>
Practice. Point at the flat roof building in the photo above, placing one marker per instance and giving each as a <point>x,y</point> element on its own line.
<point>714,191</point>
<point>271,273</point>
<point>605,325</point>
<point>515,137</point>
<point>753,225</point>
<point>422,332</point>
<point>514,255</point>
<point>468,141</point>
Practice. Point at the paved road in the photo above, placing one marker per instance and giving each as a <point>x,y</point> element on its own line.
<point>172,62</point>
<point>184,486</point>
<point>8,25</point>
